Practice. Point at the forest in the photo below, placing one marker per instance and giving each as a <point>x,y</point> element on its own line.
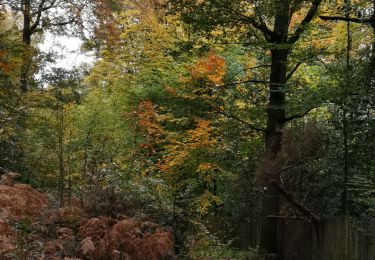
<point>190,129</point>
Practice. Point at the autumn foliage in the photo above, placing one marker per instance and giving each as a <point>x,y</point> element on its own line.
<point>6,235</point>
<point>21,201</point>
<point>106,238</point>
<point>146,124</point>
<point>30,228</point>
<point>5,66</point>
<point>211,68</point>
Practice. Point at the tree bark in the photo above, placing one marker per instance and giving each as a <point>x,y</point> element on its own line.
<point>26,39</point>
<point>275,121</point>
<point>61,187</point>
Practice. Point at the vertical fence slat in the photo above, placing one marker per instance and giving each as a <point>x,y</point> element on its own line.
<point>330,239</point>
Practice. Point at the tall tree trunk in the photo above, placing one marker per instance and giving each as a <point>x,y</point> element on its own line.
<point>345,120</point>
<point>26,31</point>
<point>26,39</point>
<point>61,156</point>
<point>275,122</point>
<point>68,170</point>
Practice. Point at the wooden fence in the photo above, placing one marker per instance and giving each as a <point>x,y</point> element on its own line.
<point>330,239</point>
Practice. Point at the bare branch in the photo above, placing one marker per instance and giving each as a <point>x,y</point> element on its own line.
<point>302,27</point>
<point>294,202</point>
<point>291,166</point>
<point>299,115</point>
<point>251,126</point>
<point>39,15</point>
<point>313,55</point>
<point>251,68</point>
<point>64,23</point>
<point>347,19</point>
<point>45,8</point>
<point>290,74</point>
<point>243,82</point>
<point>268,34</point>
<point>259,14</point>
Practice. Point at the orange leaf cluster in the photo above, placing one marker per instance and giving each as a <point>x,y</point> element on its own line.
<point>296,20</point>
<point>211,68</point>
<point>146,119</point>
<point>106,29</point>
<point>5,66</point>
<point>197,139</point>
<point>200,137</point>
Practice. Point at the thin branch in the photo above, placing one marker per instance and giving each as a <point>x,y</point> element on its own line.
<point>251,68</point>
<point>64,23</point>
<point>294,202</point>
<point>290,74</point>
<point>302,27</point>
<point>41,8</point>
<point>299,115</point>
<point>329,69</point>
<point>39,15</point>
<point>251,126</point>
<point>291,166</point>
<point>268,34</point>
<point>313,55</point>
<point>243,82</point>
<point>347,19</point>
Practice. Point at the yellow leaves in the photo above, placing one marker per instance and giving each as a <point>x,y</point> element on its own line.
<point>198,140</point>
<point>240,104</point>
<point>206,201</point>
<point>250,11</point>
<point>211,68</point>
<point>170,90</point>
<point>216,32</point>
<point>200,136</point>
<point>207,172</point>
<point>296,19</point>
<point>205,166</point>
<point>241,89</point>
<point>143,39</point>
<point>147,117</point>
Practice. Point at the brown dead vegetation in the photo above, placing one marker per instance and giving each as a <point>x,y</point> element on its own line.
<point>106,238</point>
<point>67,232</point>
<point>6,237</point>
<point>21,202</point>
<point>8,178</point>
<point>67,215</point>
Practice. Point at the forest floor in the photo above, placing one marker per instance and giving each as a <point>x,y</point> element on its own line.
<point>31,228</point>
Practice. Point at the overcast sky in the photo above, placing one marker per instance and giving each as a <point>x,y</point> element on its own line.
<point>68,50</point>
